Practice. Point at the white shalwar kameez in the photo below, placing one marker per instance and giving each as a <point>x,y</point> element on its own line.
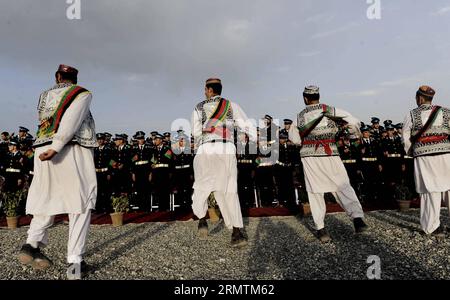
<point>215,171</point>
<point>327,174</point>
<point>66,184</point>
<point>432,179</point>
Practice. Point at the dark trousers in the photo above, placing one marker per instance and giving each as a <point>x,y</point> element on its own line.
<point>246,186</point>
<point>103,203</point>
<point>372,183</point>
<point>182,184</point>
<point>161,188</point>
<point>265,185</point>
<point>285,186</point>
<point>121,181</point>
<point>142,188</point>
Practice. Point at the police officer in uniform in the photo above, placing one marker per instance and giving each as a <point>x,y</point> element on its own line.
<point>102,159</point>
<point>28,163</point>
<point>370,164</point>
<point>246,155</point>
<point>376,128</point>
<point>161,173</point>
<point>283,170</point>
<point>183,171</point>
<point>350,156</point>
<point>121,164</point>
<point>4,141</point>
<point>141,169</point>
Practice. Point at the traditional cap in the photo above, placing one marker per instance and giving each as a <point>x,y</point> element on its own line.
<point>67,69</point>
<point>287,121</point>
<point>375,120</point>
<point>140,135</point>
<point>23,129</point>
<point>425,90</point>
<point>213,80</point>
<point>101,136</point>
<point>311,90</point>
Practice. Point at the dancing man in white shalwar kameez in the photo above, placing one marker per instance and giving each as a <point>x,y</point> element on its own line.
<point>426,133</point>
<point>323,168</point>
<point>215,169</point>
<point>64,173</point>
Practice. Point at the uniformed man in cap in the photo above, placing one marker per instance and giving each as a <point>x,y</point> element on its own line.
<point>370,165</point>
<point>183,171</point>
<point>287,126</point>
<point>167,140</point>
<point>162,159</point>
<point>270,130</point>
<point>14,168</point>
<point>393,152</point>
<point>246,155</point>
<point>23,134</point>
<point>376,128</point>
<point>103,157</point>
<point>283,171</point>
<point>351,158</point>
<point>426,134</point>
<point>121,166</point>
<point>4,141</point>
<point>28,164</point>
<point>141,169</point>
<point>323,168</point>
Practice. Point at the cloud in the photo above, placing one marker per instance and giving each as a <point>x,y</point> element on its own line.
<point>338,30</point>
<point>322,18</point>
<point>363,93</point>
<point>399,82</point>
<point>309,54</point>
<point>442,11</point>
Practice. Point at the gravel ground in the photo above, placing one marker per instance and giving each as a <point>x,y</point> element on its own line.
<point>279,248</point>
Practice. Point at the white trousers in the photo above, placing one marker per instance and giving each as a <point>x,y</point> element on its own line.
<point>78,231</point>
<point>228,204</point>
<point>346,198</point>
<point>430,210</point>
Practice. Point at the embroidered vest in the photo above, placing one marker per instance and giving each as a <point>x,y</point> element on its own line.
<point>217,120</point>
<point>321,141</point>
<point>53,103</point>
<point>436,138</point>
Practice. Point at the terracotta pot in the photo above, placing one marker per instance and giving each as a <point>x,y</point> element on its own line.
<point>117,219</point>
<point>213,215</point>
<point>306,209</point>
<point>404,204</point>
<point>12,222</point>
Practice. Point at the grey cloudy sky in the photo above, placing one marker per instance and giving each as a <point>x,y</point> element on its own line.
<point>146,61</point>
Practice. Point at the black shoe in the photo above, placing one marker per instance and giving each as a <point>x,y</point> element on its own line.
<point>237,238</point>
<point>439,232</point>
<point>29,255</point>
<point>323,235</point>
<point>359,224</point>
<point>202,228</point>
<point>76,271</point>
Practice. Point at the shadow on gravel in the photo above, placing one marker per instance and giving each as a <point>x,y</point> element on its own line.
<point>396,220</point>
<point>355,249</point>
<point>138,238</point>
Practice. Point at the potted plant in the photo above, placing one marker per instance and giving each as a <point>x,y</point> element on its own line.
<point>10,203</point>
<point>120,206</point>
<point>304,201</point>
<point>213,211</point>
<point>403,196</point>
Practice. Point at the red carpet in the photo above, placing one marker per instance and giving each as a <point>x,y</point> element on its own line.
<point>138,217</point>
